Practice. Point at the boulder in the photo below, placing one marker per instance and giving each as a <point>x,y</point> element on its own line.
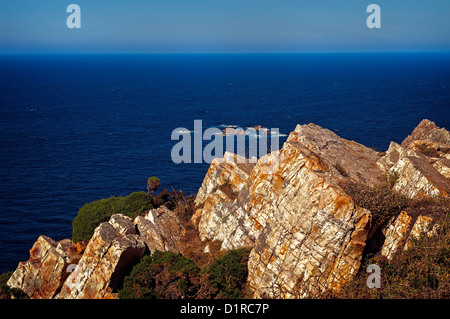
<point>429,131</point>
<point>422,226</point>
<point>417,178</point>
<point>307,234</point>
<point>442,166</point>
<point>160,229</point>
<point>345,160</point>
<point>111,251</point>
<point>49,265</point>
<point>222,198</point>
<point>402,231</point>
<point>396,234</point>
<point>420,164</point>
<point>311,235</point>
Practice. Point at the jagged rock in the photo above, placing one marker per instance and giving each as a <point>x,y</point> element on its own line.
<point>161,230</point>
<point>346,160</point>
<point>230,171</point>
<point>43,274</point>
<point>443,167</point>
<point>399,235</point>
<point>109,254</point>
<point>394,153</point>
<point>312,235</point>
<point>308,235</point>
<point>122,224</point>
<point>396,233</point>
<point>422,226</point>
<point>429,131</point>
<point>417,175</point>
<point>222,200</point>
<point>417,178</point>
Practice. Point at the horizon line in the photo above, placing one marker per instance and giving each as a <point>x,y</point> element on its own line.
<point>220,53</point>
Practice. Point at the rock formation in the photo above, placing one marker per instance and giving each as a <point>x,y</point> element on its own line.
<point>222,198</point>
<point>401,232</point>
<point>160,229</point>
<point>65,270</point>
<point>111,250</point>
<point>43,274</point>
<point>421,163</point>
<point>306,234</point>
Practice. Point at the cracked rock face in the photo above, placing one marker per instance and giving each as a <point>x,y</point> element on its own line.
<point>94,268</point>
<point>160,229</point>
<point>222,199</point>
<point>421,163</point>
<point>307,234</point>
<point>401,233</point>
<point>111,250</point>
<point>312,234</point>
<point>346,160</point>
<point>429,131</point>
<point>395,234</point>
<point>43,274</point>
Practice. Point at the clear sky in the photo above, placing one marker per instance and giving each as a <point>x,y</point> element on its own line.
<point>203,26</point>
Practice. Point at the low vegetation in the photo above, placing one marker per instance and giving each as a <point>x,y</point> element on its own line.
<point>229,273</point>
<point>93,214</point>
<point>195,272</point>
<point>381,200</point>
<point>421,272</point>
<point>7,292</point>
<point>202,270</point>
<point>166,275</point>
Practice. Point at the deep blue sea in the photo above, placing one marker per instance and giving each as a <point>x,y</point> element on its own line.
<point>77,128</point>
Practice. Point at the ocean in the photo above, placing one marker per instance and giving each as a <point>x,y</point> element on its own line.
<point>77,128</point>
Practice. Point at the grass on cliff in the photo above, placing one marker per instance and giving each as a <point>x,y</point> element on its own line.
<point>93,214</point>
<point>7,292</point>
<point>421,272</point>
<point>166,275</point>
<point>194,273</point>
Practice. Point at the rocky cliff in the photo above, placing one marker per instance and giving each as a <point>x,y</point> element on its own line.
<point>306,234</point>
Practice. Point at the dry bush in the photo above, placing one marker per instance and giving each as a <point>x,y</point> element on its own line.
<point>421,272</point>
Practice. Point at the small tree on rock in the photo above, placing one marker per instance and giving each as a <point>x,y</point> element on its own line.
<point>153,184</point>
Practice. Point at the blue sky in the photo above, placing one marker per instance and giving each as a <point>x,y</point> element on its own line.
<point>235,26</point>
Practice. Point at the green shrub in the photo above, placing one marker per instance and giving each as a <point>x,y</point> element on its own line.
<point>93,214</point>
<point>163,275</point>
<point>229,274</point>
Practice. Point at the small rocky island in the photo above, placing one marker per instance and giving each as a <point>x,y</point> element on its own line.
<point>309,227</point>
